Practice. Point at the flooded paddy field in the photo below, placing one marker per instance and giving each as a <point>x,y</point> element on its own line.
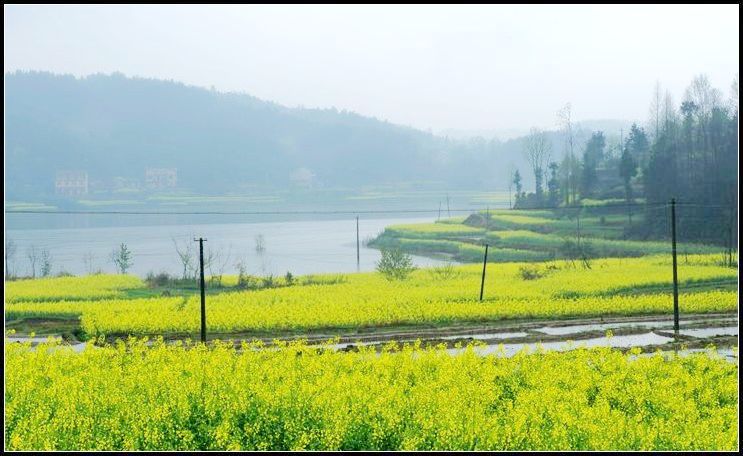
<point>650,333</point>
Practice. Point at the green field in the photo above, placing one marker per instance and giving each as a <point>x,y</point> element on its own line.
<point>530,235</point>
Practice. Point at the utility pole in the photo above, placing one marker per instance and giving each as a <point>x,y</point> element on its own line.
<point>439,218</point>
<point>675,272</point>
<point>730,238</point>
<point>358,255</point>
<point>203,294</point>
<point>447,205</point>
<point>577,221</point>
<point>484,263</point>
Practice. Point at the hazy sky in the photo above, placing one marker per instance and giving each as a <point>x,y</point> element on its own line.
<point>435,67</point>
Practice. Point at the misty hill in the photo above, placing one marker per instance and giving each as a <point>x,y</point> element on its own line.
<point>113,127</point>
<point>608,126</point>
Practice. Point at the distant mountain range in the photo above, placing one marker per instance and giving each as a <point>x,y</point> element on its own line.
<point>114,127</point>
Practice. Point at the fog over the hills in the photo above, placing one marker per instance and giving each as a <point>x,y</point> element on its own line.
<point>113,127</point>
<point>440,68</point>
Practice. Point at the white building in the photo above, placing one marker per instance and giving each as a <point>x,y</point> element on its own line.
<point>303,177</point>
<point>161,177</point>
<point>71,183</point>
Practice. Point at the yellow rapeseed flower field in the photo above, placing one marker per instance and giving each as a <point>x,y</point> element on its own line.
<point>97,286</point>
<point>189,397</point>
<point>610,287</point>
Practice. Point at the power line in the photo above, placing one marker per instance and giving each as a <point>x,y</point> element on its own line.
<point>387,211</point>
<point>589,206</point>
<point>318,212</point>
<point>728,206</point>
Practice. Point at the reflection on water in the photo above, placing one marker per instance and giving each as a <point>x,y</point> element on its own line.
<point>562,330</point>
<point>78,347</point>
<point>632,340</point>
<point>506,335</point>
<point>710,332</point>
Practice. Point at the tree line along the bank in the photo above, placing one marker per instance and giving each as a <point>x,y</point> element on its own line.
<point>688,152</point>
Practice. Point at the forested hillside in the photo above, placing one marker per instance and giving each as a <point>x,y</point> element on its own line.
<point>687,152</point>
<point>113,126</point>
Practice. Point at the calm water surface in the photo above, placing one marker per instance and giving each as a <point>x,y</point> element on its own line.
<point>301,247</point>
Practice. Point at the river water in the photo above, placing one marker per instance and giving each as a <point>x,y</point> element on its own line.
<point>301,247</point>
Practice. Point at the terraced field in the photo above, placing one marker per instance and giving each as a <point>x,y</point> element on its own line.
<point>534,235</point>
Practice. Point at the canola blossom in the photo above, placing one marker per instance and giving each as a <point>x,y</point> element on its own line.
<point>610,287</point>
<point>189,397</point>
<point>97,286</point>
<point>314,309</point>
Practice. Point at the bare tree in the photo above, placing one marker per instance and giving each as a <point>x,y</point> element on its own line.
<point>669,110</point>
<point>537,149</point>
<point>88,261</point>
<point>260,244</point>
<point>656,108</point>
<point>214,256</point>
<point>33,257</point>
<point>210,256</point>
<point>570,164</point>
<point>734,94</point>
<point>706,99</point>
<point>10,249</point>
<point>703,95</point>
<point>242,271</point>
<point>186,256</point>
<point>219,263</point>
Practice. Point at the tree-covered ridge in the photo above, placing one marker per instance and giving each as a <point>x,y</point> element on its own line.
<point>114,126</point>
<point>690,154</point>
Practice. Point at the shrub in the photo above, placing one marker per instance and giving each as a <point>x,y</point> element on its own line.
<point>309,279</point>
<point>242,276</point>
<point>269,281</point>
<point>530,272</point>
<point>312,279</point>
<point>444,272</point>
<point>122,258</point>
<point>160,279</point>
<point>395,264</point>
<point>46,263</point>
<point>260,244</point>
<point>249,282</point>
<point>572,250</point>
